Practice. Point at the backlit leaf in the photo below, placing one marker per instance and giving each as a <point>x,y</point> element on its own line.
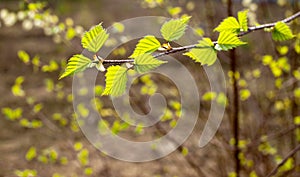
<point>282,32</point>
<point>174,29</point>
<point>245,94</point>
<point>204,54</point>
<point>24,57</point>
<point>146,62</point>
<point>243,21</point>
<point>94,38</point>
<point>148,44</point>
<point>31,153</point>
<point>228,40</point>
<point>173,11</point>
<point>76,64</point>
<point>228,24</point>
<point>116,79</point>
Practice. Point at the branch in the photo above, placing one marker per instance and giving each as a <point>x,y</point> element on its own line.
<point>269,25</point>
<point>183,48</point>
<point>273,172</point>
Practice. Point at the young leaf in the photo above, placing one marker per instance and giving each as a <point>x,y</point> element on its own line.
<point>148,44</point>
<point>205,54</point>
<point>282,32</point>
<point>228,40</point>
<point>76,64</point>
<point>116,79</point>
<point>146,62</point>
<point>174,29</point>
<point>94,38</point>
<point>24,56</point>
<point>243,21</point>
<point>228,24</point>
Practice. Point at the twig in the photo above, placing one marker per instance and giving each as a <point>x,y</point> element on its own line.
<point>269,25</point>
<point>183,48</point>
<point>273,172</point>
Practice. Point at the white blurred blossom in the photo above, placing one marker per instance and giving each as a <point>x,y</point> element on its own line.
<point>246,3</point>
<point>38,23</point>
<point>57,39</point>
<point>31,14</point>
<point>48,31</point>
<point>79,30</point>
<point>4,13</point>
<point>21,15</point>
<point>281,2</point>
<point>253,7</point>
<point>27,24</point>
<point>10,19</point>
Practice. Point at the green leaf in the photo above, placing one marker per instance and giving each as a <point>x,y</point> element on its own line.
<point>12,114</point>
<point>24,57</point>
<point>148,44</point>
<point>76,64</point>
<point>94,38</point>
<point>146,62</point>
<point>243,21</point>
<point>83,157</point>
<point>228,40</point>
<point>52,66</point>
<point>174,29</point>
<point>116,79</point>
<point>228,24</point>
<point>282,32</point>
<point>244,94</point>
<point>31,154</point>
<point>173,11</point>
<point>205,54</point>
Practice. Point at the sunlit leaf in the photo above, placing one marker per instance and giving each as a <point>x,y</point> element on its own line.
<point>52,66</point>
<point>88,171</point>
<point>146,62</point>
<point>83,157</point>
<point>31,153</point>
<point>243,21</point>
<point>245,94</point>
<point>173,11</point>
<point>222,99</point>
<point>209,96</point>
<point>12,114</point>
<point>78,146</point>
<point>228,24</point>
<point>288,165</point>
<point>71,33</point>
<point>116,79</point>
<point>228,40</point>
<point>118,27</point>
<point>184,151</point>
<point>25,173</point>
<point>94,38</point>
<point>17,89</point>
<point>148,44</point>
<point>204,54</point>
<point>76,64</point>
<point>282,32</point>
<point>174,29</point>
<point>23,56</point>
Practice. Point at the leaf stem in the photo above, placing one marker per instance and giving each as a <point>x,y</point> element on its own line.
<point>183,48</point>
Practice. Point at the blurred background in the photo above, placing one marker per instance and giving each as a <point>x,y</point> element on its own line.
<point>39,134</point>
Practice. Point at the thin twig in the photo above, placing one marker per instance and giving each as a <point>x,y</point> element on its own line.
<point>273,172</point>
<point>183,48</point>
<point>269,25</point>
